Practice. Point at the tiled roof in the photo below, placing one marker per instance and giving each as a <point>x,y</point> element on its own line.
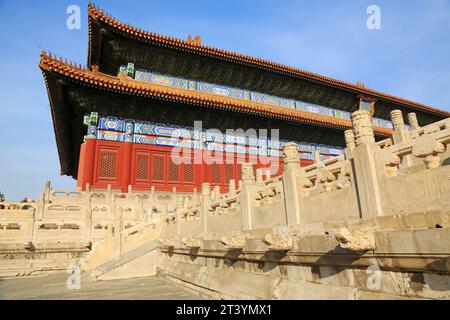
<point>197,48</point>
<point>138,88</point>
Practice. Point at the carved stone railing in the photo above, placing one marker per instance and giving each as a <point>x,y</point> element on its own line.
<point>81,215</point>
<point>17,206</point>
<point>404,173</point>
<point>413,172</point>
<point>425,143</point>
<point>350,187</point>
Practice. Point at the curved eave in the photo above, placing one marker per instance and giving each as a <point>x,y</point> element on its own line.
<point>183,96</point>
<point>224,55</point>
<point>55,99</point>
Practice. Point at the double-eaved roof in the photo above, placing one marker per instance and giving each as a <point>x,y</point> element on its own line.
<point>74,91</point>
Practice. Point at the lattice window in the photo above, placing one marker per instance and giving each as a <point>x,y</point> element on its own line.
<point>142,171</point>
<point>189,172</point>
<point>239,172</point>
<point>158,168</point>
<point>215,173</point>
<point>229,172</point>
<point>173,171</point>
<point>108,163</point>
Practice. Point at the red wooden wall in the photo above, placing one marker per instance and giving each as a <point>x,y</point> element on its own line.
<point>143,166</point>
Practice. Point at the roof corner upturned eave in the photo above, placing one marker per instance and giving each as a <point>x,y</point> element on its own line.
<point>55,100</point>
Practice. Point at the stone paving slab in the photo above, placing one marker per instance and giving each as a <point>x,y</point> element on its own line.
<point>53,287</point>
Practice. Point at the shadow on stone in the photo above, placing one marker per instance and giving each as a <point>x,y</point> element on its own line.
<point>232,255</point>
<point>440,266</point>
<point>271,259</point>
<point>337,260</point>
<point>446,162</point>
<point>193,252</point>
<point>170,251</point>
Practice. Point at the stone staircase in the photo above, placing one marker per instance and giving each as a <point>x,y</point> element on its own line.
<point>126,254</point>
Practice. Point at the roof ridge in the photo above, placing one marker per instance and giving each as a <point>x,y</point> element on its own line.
<point>96,12</point>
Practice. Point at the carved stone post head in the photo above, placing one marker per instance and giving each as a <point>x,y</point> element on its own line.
<point>362,127</point>
<point>186,202</point>
<point>291,159</point>
<point>412,120</point>
<point>180,202</point>
<point>259,175</point>
<point>206,190</point>
<point>232,186</point>
<point>349,139</point>
<point>248,175</point>
<point>397,120</point>
<point>317,157</point>
<point>216,193</point>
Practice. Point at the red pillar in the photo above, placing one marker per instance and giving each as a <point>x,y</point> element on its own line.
<point>88,166</point>
<point>81,160</point>
<point>126,166</point>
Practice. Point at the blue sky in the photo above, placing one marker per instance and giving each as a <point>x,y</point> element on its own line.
<point>408,57</point>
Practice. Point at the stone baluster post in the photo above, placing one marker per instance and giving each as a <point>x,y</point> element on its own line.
<point>232,187</point>
<point>117,232</point>
<point>40,207</point>
<point>174,198</point>
<point>164,210</point>
<point>130,194</point>
<point>259,177</point>
<point>216,193</point>
<point>47,191</point>
<point>139,208</point>
<point>364,165</point>
<point>292,171</point>
<point>350,143</point>
<point>206,202</point>
<point>186,202</point>
<point>247,193</point>
<point>399,135</point>
<point>109,195</point>
<point>38,215</point>
<point>414,124</point>
<point>152,194</point>
<point>111,207</point>
<point>88,214</point>
<point>399,132</point>
<point>412,121</point>
<point>180,208</point>
<point>267,174</point>
<point>45,199</point>
<point>195,197</point>
<point>317,160</point>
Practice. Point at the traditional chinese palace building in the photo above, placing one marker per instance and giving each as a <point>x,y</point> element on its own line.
<point>115,120</point>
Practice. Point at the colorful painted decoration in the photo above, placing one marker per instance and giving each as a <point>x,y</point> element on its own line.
<point>365,105</point>
<point>130,69</point>
<point>167,80</point>
<point>145,132</point>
